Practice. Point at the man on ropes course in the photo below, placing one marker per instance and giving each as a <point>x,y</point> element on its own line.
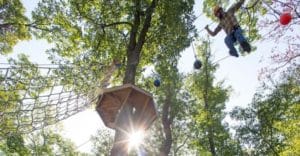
<point>229,23</point>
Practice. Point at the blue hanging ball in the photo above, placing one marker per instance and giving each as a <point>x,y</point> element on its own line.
<point>156,83</point>
<point>197,64</point>
<point>118,65</point>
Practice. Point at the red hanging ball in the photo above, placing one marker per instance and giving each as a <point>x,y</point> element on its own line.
<point>285,18</point>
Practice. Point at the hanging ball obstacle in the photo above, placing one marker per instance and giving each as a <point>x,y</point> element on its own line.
<point>118,65</point>
<point>197,64</point>
<point>157,83</point>
<point>285,18</point>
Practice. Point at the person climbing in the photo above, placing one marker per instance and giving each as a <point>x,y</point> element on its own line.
<point>229,23</point>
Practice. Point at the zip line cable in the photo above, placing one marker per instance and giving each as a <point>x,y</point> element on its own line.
<point>84,143</point>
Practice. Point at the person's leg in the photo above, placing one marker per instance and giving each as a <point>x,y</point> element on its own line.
<point>238,34</point>
<point>229,41</point>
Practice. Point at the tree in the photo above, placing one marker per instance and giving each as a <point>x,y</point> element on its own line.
<point>102,142</point>
<point>285,52</point>
<point>23,80</point>
<point>12,25</point>
<point>209,135</point>
<point>133,31</point>
<point>169,99</point>
<point>44,142</point>
<point>166,136</point>
<point>14,143</point>
<point>268,125</point>
<point>50,143</point>
<point>105,34</point>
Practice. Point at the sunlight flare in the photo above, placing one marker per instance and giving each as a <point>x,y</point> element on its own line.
<point>135,139</point>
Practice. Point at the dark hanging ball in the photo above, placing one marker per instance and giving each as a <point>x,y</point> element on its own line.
<point>157,83</point>
<point>118,65</point>
<point>197,64</point>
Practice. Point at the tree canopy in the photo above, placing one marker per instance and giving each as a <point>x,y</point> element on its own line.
<point>12,25</point>
<point>102,43</point>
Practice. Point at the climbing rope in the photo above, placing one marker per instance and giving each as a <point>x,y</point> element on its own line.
<point>35,96</point>
<point>194,51</point>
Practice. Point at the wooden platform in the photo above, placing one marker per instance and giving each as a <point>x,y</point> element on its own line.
<point>112,100</point>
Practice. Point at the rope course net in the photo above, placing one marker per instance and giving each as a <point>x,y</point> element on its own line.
<point>35,96</point>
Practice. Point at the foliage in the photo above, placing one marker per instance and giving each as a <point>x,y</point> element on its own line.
<point>38,143</point>
<point>210,135</point>
<point>103,31</point>
<point>269,126</point>
<point>102,142</point>
<point>285,51</point>
<point>12,25</point>
<point>92,36</point>
<point>14,144</point>
<point>131,32</point>
<point>171,101</point>
<point>16,85</point>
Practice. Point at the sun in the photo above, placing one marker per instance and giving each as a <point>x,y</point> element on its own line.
<point>135,139</point>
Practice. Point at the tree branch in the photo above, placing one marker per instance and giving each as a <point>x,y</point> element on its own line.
<point>100,24</point>
<point>84,15</point>
<point>36,27</point>
<point>275,11</point>
<point>184,142</point>
<point>284,4</point>
<point>134,30</point>
<point>253,5</point>
<point>7,24</point>
<point>147,23</point>
<point>32,25</point>
<point>289,60</point>
<point>297,13</point>
<point>116,23</point>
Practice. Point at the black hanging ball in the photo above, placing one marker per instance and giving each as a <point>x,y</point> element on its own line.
<point>157,83</point>
<point>197,64</point>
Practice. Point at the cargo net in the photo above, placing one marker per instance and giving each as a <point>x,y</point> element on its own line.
<point>35,96</point>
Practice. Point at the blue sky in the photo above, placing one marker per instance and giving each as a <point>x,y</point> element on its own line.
<point>239,73</point>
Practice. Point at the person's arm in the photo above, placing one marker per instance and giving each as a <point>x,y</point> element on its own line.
<point>236,6</point>
<point>215,32</point>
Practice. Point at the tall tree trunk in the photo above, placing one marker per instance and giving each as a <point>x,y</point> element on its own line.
<point>134,49</point>
<point>166,121</point>
<point>120,143</point>
<point>133,59</point>
<point>136,42</point>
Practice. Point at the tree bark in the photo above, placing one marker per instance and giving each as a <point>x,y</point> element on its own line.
<point>136,42</point>
<point>166,121</point>
<point>134,48</point>
<point>120,147</point>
